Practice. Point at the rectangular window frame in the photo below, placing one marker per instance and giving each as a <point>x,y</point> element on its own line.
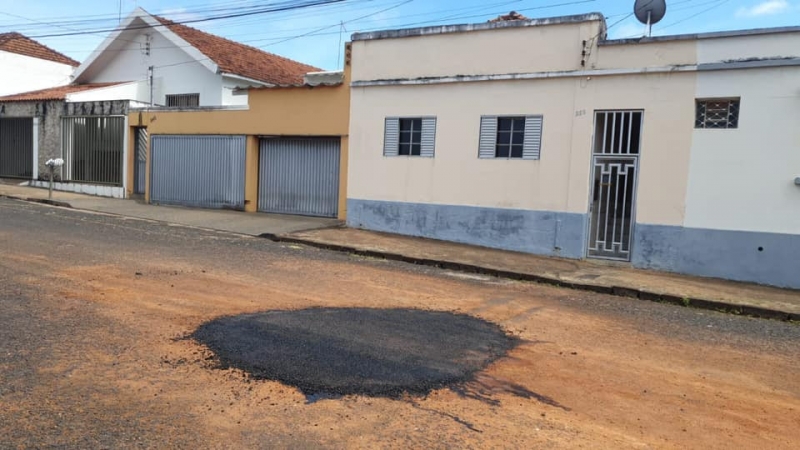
<point>410,136</point>
<point>512,146</point>
<point>495,136</point>
<point>409,141</point>
<point>730,121</point>
<point>183,100</point>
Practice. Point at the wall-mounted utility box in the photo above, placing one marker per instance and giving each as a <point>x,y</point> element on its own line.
<point>797,181</point>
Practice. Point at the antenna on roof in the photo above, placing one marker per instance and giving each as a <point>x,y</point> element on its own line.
<point>650,12</point>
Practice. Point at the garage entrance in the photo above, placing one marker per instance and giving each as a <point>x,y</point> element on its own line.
<point>199,171</point>
<point>16,148</point>
<point>299,176</point>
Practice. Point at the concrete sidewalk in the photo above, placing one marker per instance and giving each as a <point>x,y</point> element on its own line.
<point>738,298</point>
<point>609,278</point>
<point>232,221</point>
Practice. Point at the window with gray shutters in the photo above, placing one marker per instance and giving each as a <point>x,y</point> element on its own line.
<point>409,136</point>
<point>510,137</point>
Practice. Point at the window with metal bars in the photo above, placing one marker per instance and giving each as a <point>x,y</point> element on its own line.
<point>717,113</point>
<point>183,100</point>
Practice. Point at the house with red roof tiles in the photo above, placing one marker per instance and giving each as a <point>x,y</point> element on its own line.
<point>147,62</point>
<point>29,65</point>
<point>164,63</point>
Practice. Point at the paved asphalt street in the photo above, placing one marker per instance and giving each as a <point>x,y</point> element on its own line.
<point>98,316</point>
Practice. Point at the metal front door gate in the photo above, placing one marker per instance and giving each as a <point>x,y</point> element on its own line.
<point>615,163</point>
<point>140,161</point>
<point>196,170</point>
<point>299,176</point>
<point>16,147</point>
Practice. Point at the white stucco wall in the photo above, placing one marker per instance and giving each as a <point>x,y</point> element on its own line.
<point>745,47</point>
<point>22,73</point>
<point>653,54</point>
<point>137,91</point>
<point>743,179</point>
<point>229,87</point>
<point>497,51</point>
<point>559,181</point>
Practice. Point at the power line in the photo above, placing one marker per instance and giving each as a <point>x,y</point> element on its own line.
<point>722,2</point>
<point>320,31</point>
<point>405,2</point>
<point>284,6</point>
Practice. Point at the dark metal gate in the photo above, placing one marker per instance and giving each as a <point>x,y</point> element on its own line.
<point>615,163</point>
<point>299,176</point>
<point>140,161</point>
<point>93,148</point>
<point>16,147</point>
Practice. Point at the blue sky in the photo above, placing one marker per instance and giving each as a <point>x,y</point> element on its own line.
<point>313,35</point>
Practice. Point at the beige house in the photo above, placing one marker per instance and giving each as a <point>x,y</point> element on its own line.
<point>677,153</point>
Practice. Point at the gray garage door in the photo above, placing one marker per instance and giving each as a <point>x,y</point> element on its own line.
<point>16,148</point>
<point>299,176</point>
<point>200,171</point>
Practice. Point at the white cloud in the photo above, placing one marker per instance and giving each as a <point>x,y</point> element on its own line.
<point>765,8</point>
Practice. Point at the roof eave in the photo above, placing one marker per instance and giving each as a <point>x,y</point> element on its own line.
<point>247,79</point>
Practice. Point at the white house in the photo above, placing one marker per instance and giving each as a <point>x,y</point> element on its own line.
<point>147,61</point>
<point>187,67</point>
<point>677,153</point>
<point>28,65</point>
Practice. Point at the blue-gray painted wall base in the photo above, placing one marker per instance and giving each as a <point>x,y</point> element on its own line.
<point>540,232</point>
<point>731,255</point>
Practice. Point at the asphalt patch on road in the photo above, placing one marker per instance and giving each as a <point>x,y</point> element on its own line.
<point>328,352</point>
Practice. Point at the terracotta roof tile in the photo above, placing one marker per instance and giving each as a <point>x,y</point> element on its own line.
<point>56,93</point>
<point>239,59</point>
<point>22,45</point>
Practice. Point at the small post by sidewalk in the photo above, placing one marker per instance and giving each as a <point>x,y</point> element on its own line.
<point>51,166</point>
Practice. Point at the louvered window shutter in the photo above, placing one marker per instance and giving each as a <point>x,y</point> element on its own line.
<point>428,137</point>
<point>533,137</point>
<point>488,138</point>
<point>391,136</point>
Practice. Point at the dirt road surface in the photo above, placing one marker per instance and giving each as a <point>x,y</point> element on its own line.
<point>95,312</point>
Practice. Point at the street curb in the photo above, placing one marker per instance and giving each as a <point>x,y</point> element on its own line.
<point>38,200</point>
<point>619,291</point>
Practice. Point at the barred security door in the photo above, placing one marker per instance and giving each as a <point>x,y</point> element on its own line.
<point>615,163</point>
<point>140,161</point>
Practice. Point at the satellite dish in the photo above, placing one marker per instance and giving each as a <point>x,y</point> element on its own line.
<point>650,12</point>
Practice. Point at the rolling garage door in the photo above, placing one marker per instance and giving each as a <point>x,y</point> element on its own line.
<point>16,148</point>
<point>299,176</point>
<point>200,171</point>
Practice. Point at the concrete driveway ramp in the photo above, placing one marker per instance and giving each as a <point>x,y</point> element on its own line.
<point>343,351</point>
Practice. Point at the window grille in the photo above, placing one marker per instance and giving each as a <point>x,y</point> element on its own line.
<point>717,114</point>
<point>183,100</point>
